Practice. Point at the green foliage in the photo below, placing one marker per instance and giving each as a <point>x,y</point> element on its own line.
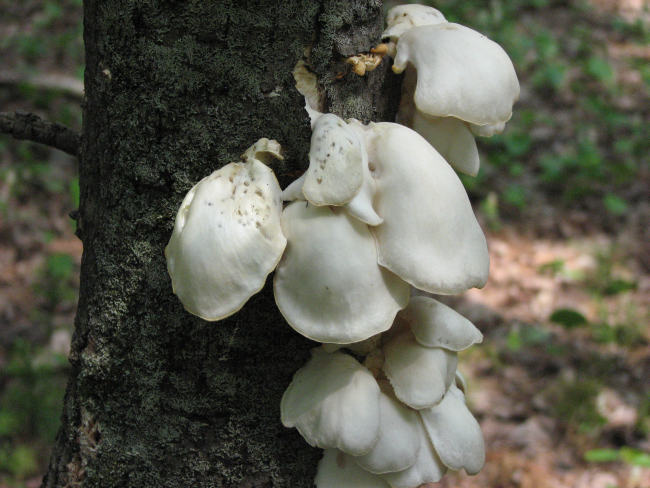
<point>30,405</point>
<point>575,404</point>
<point>57,279</point>
<point>20,461</point>
<point>629,455</point>
<point>528,336</point>
<point>31,399</point>
<point>615,204</point>
<point>568,318</point>
<point>596,148</point>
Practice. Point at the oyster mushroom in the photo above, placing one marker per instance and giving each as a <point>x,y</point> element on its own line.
<point>457,82</point>
<point>430,237</point>
<point>455,433</point>
<point>333,401</point>
<point>227,236</point>
<point>328,285</point>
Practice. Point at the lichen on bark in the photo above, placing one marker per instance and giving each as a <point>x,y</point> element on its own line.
<point>175,90</point>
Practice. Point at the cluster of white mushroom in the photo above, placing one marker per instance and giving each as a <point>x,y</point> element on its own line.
<point>378,218</point>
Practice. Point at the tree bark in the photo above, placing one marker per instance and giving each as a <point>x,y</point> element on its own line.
<point>174,90</point>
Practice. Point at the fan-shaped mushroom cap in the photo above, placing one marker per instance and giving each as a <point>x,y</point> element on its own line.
<point>227,238</point>
<point>328,285</point>
<point>403,17</point>
<point>451,138</point>
<point>461,73</point>
<point>455,433</point>
<point>429,236</point>
<point>427,467</point>
<point>399,440</point>
<point>333,401</point>
<point>336,160</point>
<point>338,470</point>
<point>434,324</point>
<point>360,207</point>
<point>419,375</point>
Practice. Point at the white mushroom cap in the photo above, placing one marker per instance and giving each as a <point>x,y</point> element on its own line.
<point>434,324</point>
<point>328,285</point>
<point>333,401</point>
<point>429,236</point>
<point>461,73</point>
<point>448,135</point>
<point>451,138</point>
<point>399,440</point>
<point>338,470</point>
<point>336,160</point>
<point>419,375</point>
<point>455,433</point>
<point>360,206</point>
<point>227,238</point>
<point>403,17</point>
<point>427,467</point>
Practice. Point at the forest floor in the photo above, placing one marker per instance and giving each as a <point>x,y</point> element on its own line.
<point>560,383</point>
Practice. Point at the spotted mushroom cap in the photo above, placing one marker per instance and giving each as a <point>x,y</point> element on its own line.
<point>227,236</point>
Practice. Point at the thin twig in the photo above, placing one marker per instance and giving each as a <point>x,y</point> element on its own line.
<point>48,81</point>
<point>30,127</point>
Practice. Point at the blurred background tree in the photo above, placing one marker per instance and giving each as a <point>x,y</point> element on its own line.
<point>560,383</point>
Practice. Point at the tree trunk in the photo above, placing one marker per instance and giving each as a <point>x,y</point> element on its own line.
<point>174,90</point>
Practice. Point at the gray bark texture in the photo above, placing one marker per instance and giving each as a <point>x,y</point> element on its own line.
<point>174,90</point>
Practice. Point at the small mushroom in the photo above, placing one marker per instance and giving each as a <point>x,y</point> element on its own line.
<point>457,82</point>
<point>419,375</point>
<point>328,284</point>
<point>430,236</point>
<point>402,18</point>
<point>360,206</point>
<point>434,324</point>
<point>336,159</point>
<point>427,468</point>
<point>398,444</point>
<point>333,401</point>
<point>460,73</point>
<point>338,470</point>
<point>227,236</point>
<point>455,433</point>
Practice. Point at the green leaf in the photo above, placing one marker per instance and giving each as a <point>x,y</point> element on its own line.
<point>615,205</point>
<point>635,457</point>
<point>602,455</point>
<point>513,341</point>
<point>568,318</point>
<point>617,286</point>
<point>600,69</point>
<point>515,195</point>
